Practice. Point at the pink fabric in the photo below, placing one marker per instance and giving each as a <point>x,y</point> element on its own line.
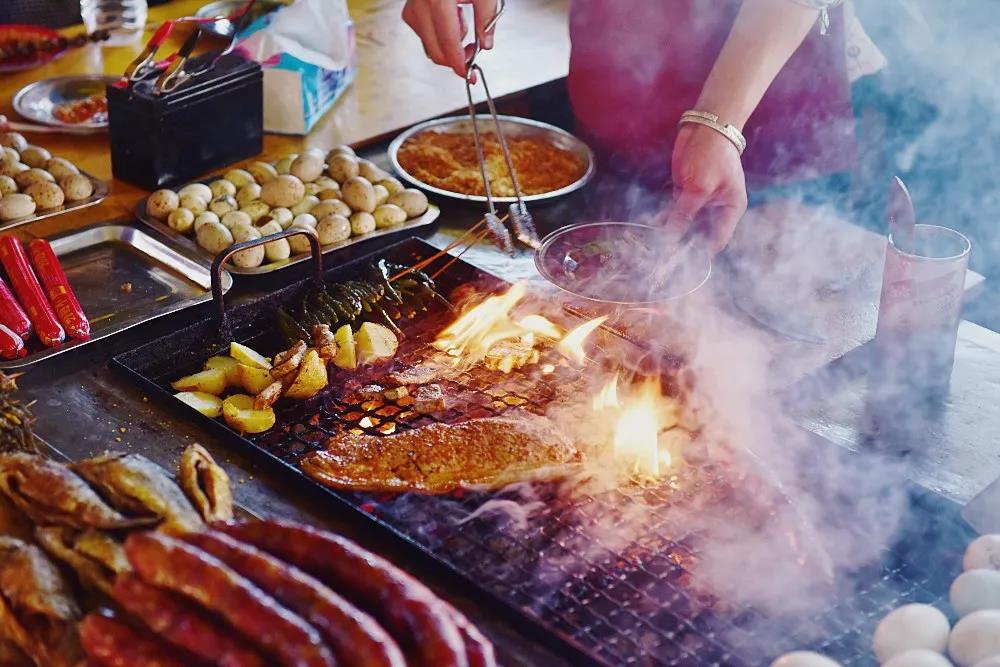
<point>637,65</point>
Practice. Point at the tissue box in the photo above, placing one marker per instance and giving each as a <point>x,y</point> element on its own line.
<point>301,81</point>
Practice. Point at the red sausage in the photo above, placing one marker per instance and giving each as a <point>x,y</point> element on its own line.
<point>11,345</point>
<point>29,292</point>
<point>181,623</point>
<point>110,643</point>
<point>356,639</point>
<point>57,287</point>
<point>12,315</point>
<point>166,562</point>
<point>422,623</point>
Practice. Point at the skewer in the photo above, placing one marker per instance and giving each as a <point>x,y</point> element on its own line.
<point>473,230</point>
<point>455,258</point>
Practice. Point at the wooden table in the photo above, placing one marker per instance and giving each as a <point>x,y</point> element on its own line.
<point>396,86</point>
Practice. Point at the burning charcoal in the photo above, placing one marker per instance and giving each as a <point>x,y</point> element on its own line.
<point>370,392</point>
<point>429,398</point>
<point>396,393</point>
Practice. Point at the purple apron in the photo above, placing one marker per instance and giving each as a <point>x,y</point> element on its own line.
<point>637,65</point>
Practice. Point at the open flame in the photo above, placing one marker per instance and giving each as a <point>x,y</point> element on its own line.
<point>640,417</point>
<point>487,332</point>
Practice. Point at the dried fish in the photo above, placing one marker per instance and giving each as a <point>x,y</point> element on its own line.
<point>134,484</point>
<point>52,494</point>
<point>37,612</point>
<point>96,557</point>
<point>499,234</point>
<point>206,484</point>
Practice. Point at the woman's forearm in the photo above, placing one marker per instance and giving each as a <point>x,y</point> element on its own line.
<point>765,35</point>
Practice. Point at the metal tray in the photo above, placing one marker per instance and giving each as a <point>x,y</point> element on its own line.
<point>512,127</point>
<point>612,608</point>
<point>36,101</point>
<point>224,28</point>
<point>140,212</point>
<point>99,259</point>
<point>100,192</point>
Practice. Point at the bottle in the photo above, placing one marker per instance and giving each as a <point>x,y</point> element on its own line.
<point>125,20</point>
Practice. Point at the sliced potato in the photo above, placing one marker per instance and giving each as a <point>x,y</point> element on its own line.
<point>311,379</point>
<point>375,342</point>
<point>211,381</point>
<point>252,380</point>
<point>239,413</point>
<point>206,404</point>
<point>227,365</point>
<point>346,357</point>
<point>245,355</point>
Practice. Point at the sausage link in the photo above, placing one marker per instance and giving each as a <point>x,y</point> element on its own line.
<point>12,315</point>
<point>57,287</point>
<point>170,563</point>
<point>356,639</point>
<point>479,649</point>
<point>412,614</point>
<point>11,345</point>
<point>29,292</point>
<point>180,623</point>
<point>110,643</point>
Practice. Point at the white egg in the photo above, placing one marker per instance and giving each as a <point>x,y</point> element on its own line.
<point>992,661</point>
<point>974,590</point>
<point>975,637</point>
<point>920,657</point>
<point>910,627</point>
<point>804,659</point>
<point>198,190</point>
<point>983,554</point>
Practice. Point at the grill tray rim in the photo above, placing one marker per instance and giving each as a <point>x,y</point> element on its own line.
<point>163,354</point>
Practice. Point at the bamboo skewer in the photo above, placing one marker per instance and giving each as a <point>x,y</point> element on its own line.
<point>473,231</point>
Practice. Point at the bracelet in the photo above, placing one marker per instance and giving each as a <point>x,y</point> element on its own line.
<point>711,120</point>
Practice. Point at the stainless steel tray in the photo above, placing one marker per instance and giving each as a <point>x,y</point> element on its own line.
<point>99,260</point>
<point>100,192</point>
<point>140,212</point>
<point>37,101</point>
<point>512,127</point>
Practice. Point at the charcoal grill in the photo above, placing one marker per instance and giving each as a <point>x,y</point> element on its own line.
<point>608,603</point>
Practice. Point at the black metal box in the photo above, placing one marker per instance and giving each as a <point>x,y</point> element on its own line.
<point>208,122</point>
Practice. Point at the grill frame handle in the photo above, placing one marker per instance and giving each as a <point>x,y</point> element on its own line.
<point>218,266</point>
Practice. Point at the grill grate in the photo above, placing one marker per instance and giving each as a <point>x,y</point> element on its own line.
<point>616,602</point>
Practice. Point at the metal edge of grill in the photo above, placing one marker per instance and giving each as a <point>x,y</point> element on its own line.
<point>588,621</point>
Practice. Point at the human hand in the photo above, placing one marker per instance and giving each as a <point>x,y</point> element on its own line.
<point>441,28</point>
<point>708,184</point>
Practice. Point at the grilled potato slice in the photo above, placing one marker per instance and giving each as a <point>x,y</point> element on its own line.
<point>247,356</point>
<point>206,404</point>
<point>253,380</point>
<point>211,381</point>
<point>239,413</point>
<point>227,364</point>
<point>311,379</point>
<point>346,356</point>
<point>375,342</point>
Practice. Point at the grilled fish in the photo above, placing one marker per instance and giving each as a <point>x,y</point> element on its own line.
<point>440,458</point>
<point>37,612</point>
<point>96,557</point>
<point>134,484</point>
<point>52,494</point>
<point>206,484</point>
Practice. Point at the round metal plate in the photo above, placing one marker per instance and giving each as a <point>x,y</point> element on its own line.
<point>512,127</point>
<point>36,102</point>
<point>549,259</point>
<point>225,28</point>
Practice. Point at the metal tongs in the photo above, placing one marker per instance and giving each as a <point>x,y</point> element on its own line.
<point>171,70</point>
<point>518,216</point>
